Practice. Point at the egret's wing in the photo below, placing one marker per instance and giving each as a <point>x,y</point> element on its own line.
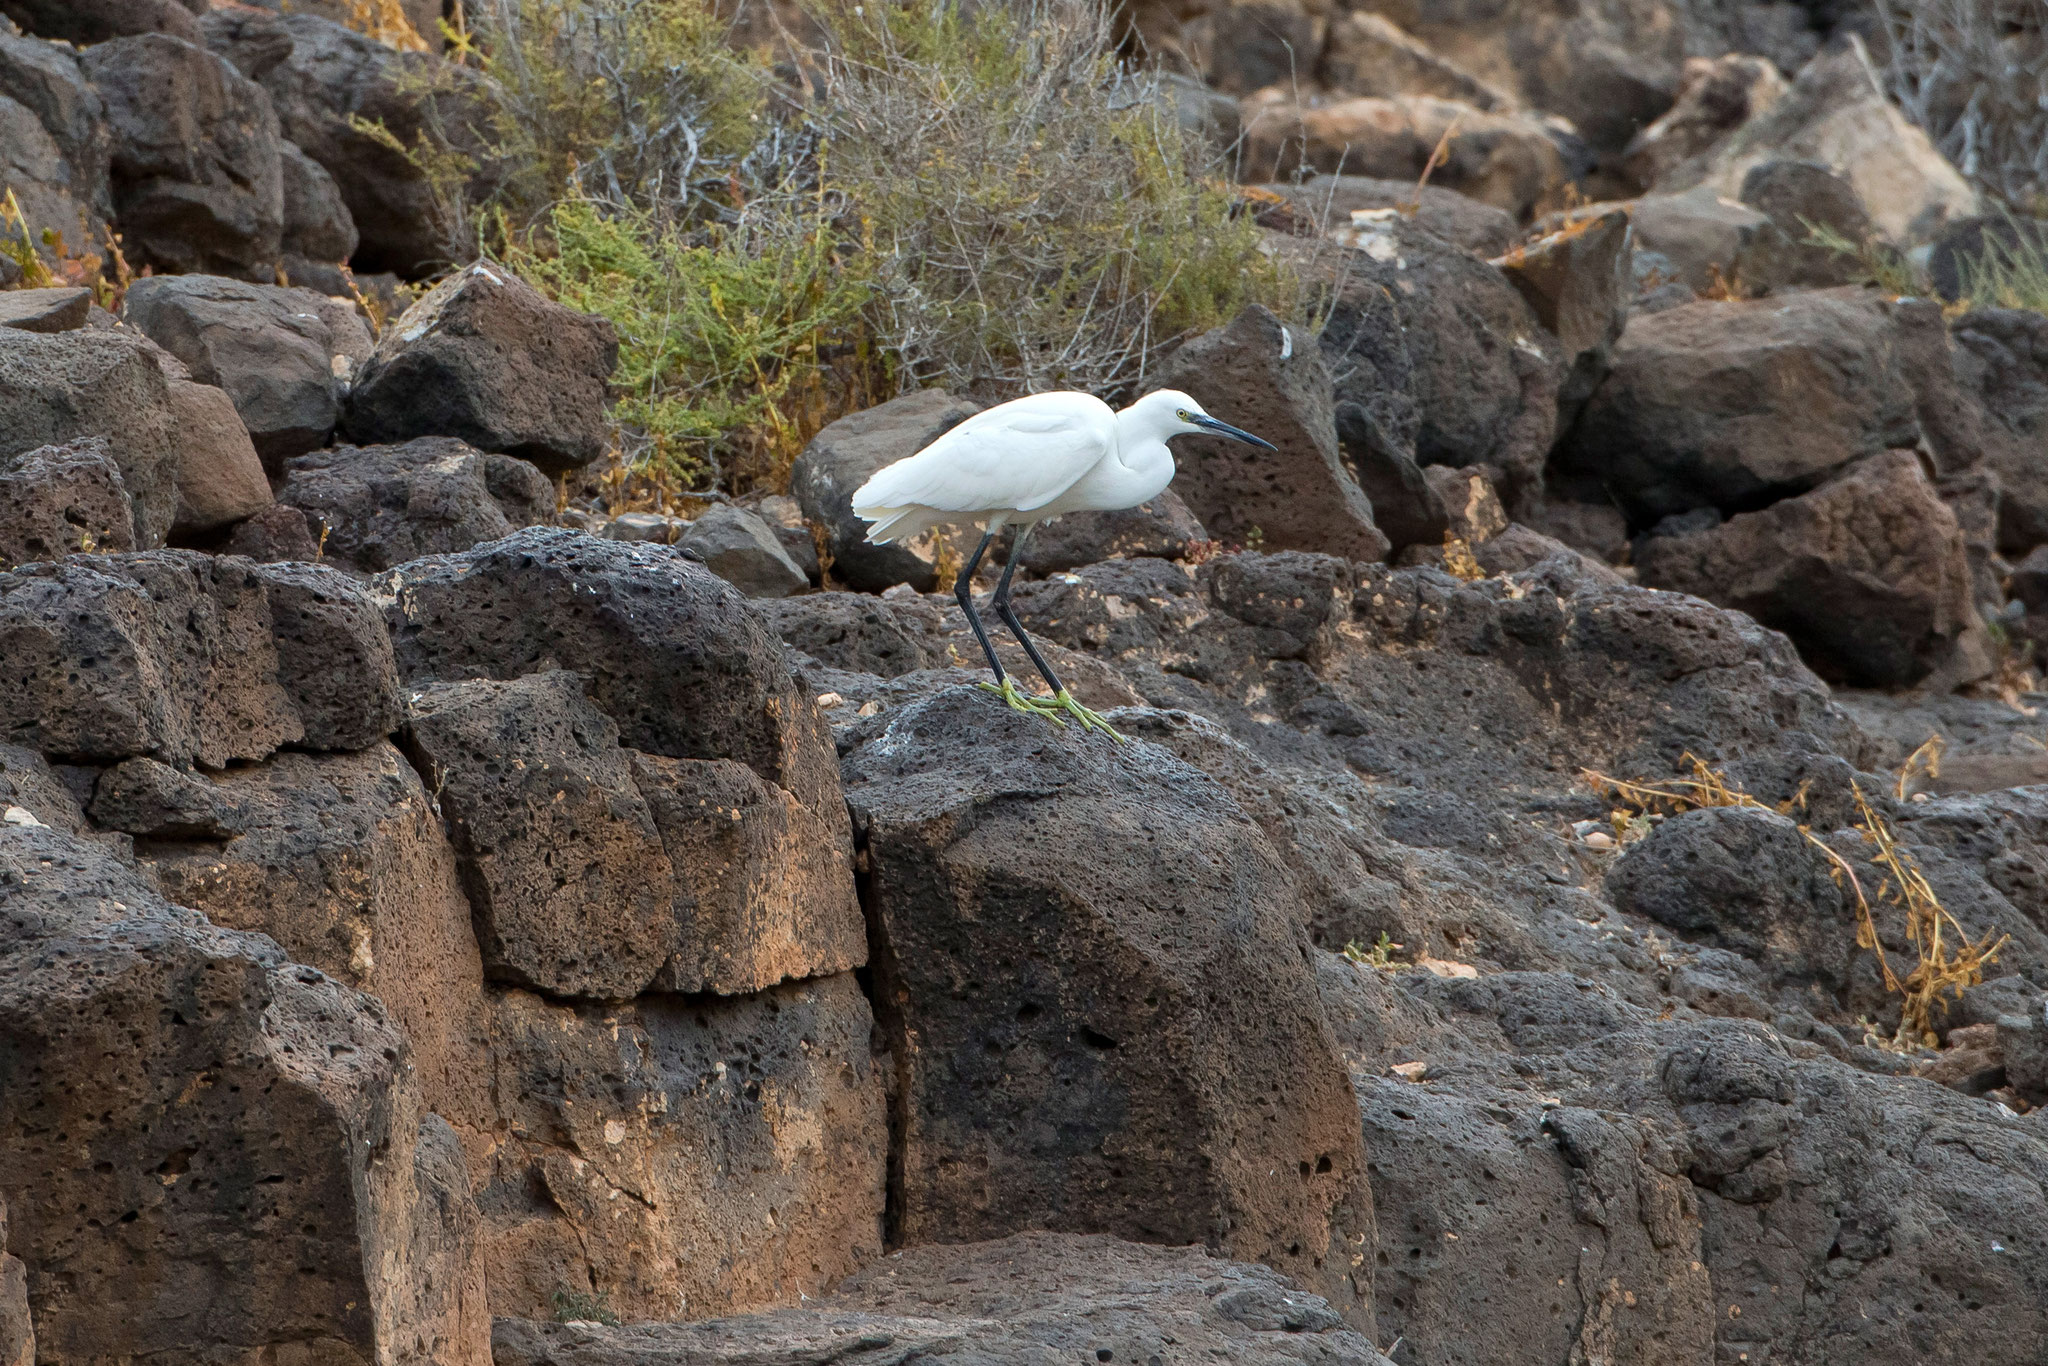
<point>1019,455</point>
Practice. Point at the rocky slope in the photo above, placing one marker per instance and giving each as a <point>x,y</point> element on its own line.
<point>444,921</point>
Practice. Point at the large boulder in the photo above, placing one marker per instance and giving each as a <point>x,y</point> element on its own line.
<point>1165,528</point>
<point>262,1178</point>
<point>1032,1297</point>
<point>1727,405</point>
<point>358,108</point>
<point>318,228</point>
<point>59,499</point>
<point>281,354</point>
<point>486,357</point>
<point>341,859</point>
<point>1097,1045</point>
<point>196,177</point>
<point>2003,355</point>
<point>334,656</point>
<point>1866,573</point>
<point>676,657</point>
<point>85,22</point>
<point>1260,374</point>
<point>57,389</point>
<point>376,507</point>
<point>53,195</point>
<point>843,456</point>
<point>1838,115</point>
<point>566,873</point>
<point>1508,160</point>
<point>684,1157</point>
<point>743,550</point>
<point>46,79</point>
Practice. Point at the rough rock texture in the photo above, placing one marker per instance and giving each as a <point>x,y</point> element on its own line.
<point>1800,198</point>
<point>842,457</point>
<point>317,224</point>
<point>51,190</point>
<point>1866,573</point>
<point>1099,1046</point>
<point>685,1157</point>
<point>1729,405</point>
<point>161,653</point>
<point>487,358</point>
<point>334,656</point>
<point>1032,1297</point>
<point>262,1177</point>
<point>281,354</point>
<point>17,1329</point>
<point>1579,282</point>
<point>45,310</point>
<point>374,507</point>
<point>565,870</point>
<point>277,533</point>
<point>763,884</point>
<point>57,389</point>
<point>675,656</point>
<point>219,477</point>
<point>2004,355</point>
<point>332,89</point>
<point>342,860</point>
<point>1257,373</point>
<point>59,499</point>
<point>743,550</point>
<point>1164,528</point>
<point>197,184</point>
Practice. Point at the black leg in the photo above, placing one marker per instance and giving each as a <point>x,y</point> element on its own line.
<point>1008,614</point>
<point>963,589</point>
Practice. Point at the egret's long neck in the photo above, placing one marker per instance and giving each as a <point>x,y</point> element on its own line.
<point>1144,462</point>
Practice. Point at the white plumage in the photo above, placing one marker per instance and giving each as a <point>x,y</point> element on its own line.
<point>1022,463</point>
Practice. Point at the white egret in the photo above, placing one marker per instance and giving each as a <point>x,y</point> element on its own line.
<point>1025,462</point>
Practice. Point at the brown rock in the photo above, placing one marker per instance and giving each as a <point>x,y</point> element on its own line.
<point>1268,378</point>
<point>56,389</point>
<point>17,1332</point>
<point>85,22</point>
<point>1729,404</point>
<point>1458,219</point>
<point>486,357</point>
<point>45,310</point>
<point>1368,54</point>
<point>277,533</point>
<point>220,480</point>
<point>375,507</point>
<point>1164,528</point>
<point>1035,1297</point>
<point>61,499</point>
<point>1715,97</point>
<point>155,801</point>
<point>263,1179</point>
<point>1094,1045</point>
<point>685,1157</point>
<point>1867,573</point>
<point>342,859</point>
<point>1507,160</point>
<point>563,864</point>
<point>162,653</point>
<point>27,781</point>
<point>1579,283</point>
<point>764,886</point>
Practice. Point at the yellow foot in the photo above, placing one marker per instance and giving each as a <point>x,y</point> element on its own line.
<point>1089,720</point>
<point>1030,706</point>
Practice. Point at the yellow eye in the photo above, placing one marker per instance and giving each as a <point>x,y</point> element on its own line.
<point>1182,415</point>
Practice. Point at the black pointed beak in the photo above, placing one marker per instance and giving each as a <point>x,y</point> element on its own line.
<point>1234,433</point>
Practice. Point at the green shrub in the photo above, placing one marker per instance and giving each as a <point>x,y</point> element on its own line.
<point>2009,272</point>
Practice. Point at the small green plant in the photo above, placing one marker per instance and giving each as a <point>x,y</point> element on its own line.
<point>1881,265</point>
<point>574,1306</point>
<point>18,244</point>
<point>1380,955</point>
<point>2011,270</point>
<point>720,331</point>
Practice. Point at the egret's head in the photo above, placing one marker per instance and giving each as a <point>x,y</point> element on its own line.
<point>1175,413</point>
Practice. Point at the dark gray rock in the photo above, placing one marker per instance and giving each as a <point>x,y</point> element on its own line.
<point>60,499</point>
<point>565,870</point>
<point>45,310</point>
<point>281,354</point>
<point>1459,219</point>
<point>486,357</point>
<point>46,79</point>
<point>1963,249</point>
<point>1801,198</point>
<point>85,22</point>
<point>1732,404</point>
<point>144,798</point>
<point>375,507</point>
<point>317,224</point>
<point>841,458</point>
<point>1165,528</point>
<point>2002,355</point>
<point>278,533</point>
<point>860,632</point>
<point>1032,1297</point>
<point>57,389</point>
<point>1259,374</point>
<point>1579,281</point>
<point>1069,1025</point>
<point>1867,573</point>
<point>254,40</point>
<point>167,654</point>
<point>196,176</point>
<point>741,549</point>
<point>334,656</point>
